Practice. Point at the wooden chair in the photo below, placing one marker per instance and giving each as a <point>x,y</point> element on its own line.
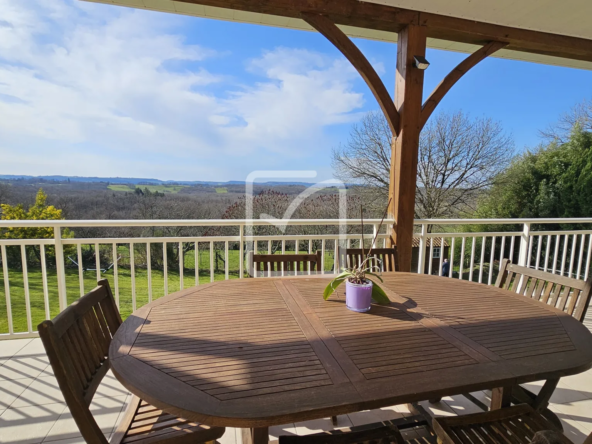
<point>271,264</point>
<point>352,257</point>
<point>567,294</point>
<point>380,433</point>
<point>77,344</point>
<point>515,425</point>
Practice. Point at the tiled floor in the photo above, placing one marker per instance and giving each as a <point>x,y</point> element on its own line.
<point>32,409</point>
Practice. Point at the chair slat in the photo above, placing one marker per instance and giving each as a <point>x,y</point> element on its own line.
<point>564,293</point>
<point>272,264</point>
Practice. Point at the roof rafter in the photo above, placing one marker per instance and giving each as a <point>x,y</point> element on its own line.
<point>386,18</point>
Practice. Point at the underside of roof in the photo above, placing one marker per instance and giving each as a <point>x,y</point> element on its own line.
<point>562,18</point>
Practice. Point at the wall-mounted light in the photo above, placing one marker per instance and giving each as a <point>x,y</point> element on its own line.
<point>420,62</point>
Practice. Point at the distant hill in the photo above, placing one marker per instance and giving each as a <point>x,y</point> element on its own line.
<point>139,181</point>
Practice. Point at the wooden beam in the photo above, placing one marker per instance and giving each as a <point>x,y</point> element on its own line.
<point>385,18</point>
<point>408,99</point>
<point>351,52</point>
<point>454,76</point>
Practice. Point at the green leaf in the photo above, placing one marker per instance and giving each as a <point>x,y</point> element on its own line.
<point>379,295</point>
<point>375,275</point>
<point>334,284</point>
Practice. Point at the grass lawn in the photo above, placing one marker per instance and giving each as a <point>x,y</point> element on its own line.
<point>17,292</point>
<point>221,190</point>
<point>171,189</point>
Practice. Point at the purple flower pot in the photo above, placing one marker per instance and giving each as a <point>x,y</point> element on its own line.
<point>358,297</point>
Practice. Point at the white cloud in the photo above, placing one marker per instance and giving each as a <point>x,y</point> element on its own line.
<point>93,87</point>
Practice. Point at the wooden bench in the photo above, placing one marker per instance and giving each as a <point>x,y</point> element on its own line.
<point>274,264</point>
<point>384,258</point>
<point>77,344</point>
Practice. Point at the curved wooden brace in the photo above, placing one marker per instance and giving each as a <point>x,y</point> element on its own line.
<point>357,59</point>
<point>462,68</point>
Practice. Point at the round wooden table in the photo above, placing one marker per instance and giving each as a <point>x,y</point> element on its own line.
<point>252,353</point>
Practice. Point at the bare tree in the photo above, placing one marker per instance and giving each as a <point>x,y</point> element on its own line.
<point>580,114</point>
<point>4,192</point>
<point>458,159</point>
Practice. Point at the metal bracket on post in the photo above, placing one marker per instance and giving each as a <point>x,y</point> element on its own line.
<point>422,249</point>
<point>60,268</point>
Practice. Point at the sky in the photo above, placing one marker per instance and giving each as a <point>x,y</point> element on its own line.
<point>101,90</point>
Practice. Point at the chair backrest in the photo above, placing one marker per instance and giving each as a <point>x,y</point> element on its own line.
<point>567,294</point>
<point>77,344</point>
<point>384,258</point>
<point>273,264</point>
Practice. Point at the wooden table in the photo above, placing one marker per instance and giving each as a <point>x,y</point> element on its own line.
<point>258,352</point>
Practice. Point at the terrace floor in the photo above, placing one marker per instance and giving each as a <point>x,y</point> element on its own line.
<point>32,409</point>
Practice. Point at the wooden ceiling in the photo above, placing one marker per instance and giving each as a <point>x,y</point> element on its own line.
<point>451,28</point>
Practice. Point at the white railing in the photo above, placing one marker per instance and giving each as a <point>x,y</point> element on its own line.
<point>37,286</point>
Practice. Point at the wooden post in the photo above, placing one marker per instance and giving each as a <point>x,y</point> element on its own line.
<point>408,100</point>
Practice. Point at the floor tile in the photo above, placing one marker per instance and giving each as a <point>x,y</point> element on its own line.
<point>437,408</point>
<point>230,436</point>
<point>43,390</point>
<point>23,367</point>
<point>563,392</point>
<point>580,411</point>
<point>461,405</point>
<point>29,425</point>
<point>110,386</point>
<point>581,382</point>
<point>10,347</point>
<point>34,347</point>
<point>276,431</point>
<point>10,390</point>
<point>105,411</point>
<point>313,426</point>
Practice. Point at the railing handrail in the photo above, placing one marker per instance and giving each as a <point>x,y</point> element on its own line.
<point>66,223</point>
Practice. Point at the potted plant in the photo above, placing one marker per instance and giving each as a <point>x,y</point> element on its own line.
<point>360,282</point>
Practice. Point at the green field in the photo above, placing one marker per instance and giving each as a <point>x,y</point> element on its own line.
<point>171,189</point>
<point>221,190</point>
<point>17,293</point>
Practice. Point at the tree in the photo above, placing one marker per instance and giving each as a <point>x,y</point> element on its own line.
<point>4,192</point>
<point>580,115</point>
<point>552,181</point>
<point>458,160</point>
<point>38,211</point>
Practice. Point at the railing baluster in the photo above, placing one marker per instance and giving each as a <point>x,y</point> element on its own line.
<point>241,251</point>
<point>133,275</point>
<point>165,268</point>
<point>572,257</point>
<point>588,256</point>
<point>197,263</point>
<point>26,288</point>
<point>538,254</point>
<point>116,274</point>
<point>149,269</point>
<point>431,255</point>
<point>6,288</point>
<point>529,254</point>
<point>181,266</point>
<point>502,254</point>
<point>451,258</point>
<point>564,255</point>
<point>309,252</point>
<point>283,252</point>
<point>60,268</point>
<point>512,249</point>
<point>441,256</point>
<point>473,244</point>
<point>322,256</point>
<point>211,261</point>
<point>491,261</point>
<point>556,254</point>
<point>269,252</point>
<point>44,281</point>
<point>98,261</point>
<point>547,249</point>
<point>80,269</point>
<point>226,260</point>
<point>483,240</point>
<point>581,256</point>
<point>462,257</point>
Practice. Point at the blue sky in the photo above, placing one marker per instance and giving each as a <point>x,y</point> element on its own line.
<point>89,89</point>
